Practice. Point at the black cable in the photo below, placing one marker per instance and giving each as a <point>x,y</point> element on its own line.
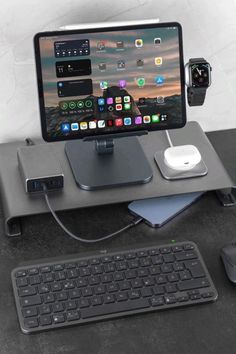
<point>78,238</point>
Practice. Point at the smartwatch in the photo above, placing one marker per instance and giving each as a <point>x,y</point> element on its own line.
<point>198,79</point>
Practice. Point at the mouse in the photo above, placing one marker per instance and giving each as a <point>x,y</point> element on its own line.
<point>182,157</point>
<point>228,255</point>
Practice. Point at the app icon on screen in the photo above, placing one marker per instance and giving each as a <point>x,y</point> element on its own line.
<point>101,124</point>
<point>127,106</point>
<point>80,104</point>
<point>88,103</point>
<point>65,127</point>
<point>110,100</point>
<point>118,99</point>
<point>126,99</point>
<point>140,63</point>
<point>127,121</point>
<point>121,64</point>
<point>122,83</point>
<point>83,125</point>
<point>157,41</point>
<point>74,126</point>
<point>138,120</point>
<point>120,45</point>
<point>101,45</point>
<point>138,43</point>
<point>103,85</point>
<point>156,118</point>
<point>101,108</point>
<point>146,119</point>
<point>119,107</point>
<point>92,124</point>
<point>140,81</point>
<point>110,123</point>
<point>72,105</point>
<point>110,108</point>
<point>101,101</point>
<point>102,66</point>
<point>63,106</point>
<point>159,80</point>
<point>118,122</point>
<point>158,61</point>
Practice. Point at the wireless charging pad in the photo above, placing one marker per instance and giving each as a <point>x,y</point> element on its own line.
<point>171,174</point>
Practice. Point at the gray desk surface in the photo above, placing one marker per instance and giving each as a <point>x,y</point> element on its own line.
<point>199,329</point>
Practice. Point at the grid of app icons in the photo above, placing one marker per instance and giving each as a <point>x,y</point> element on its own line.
<point>116,122</point>
<point>119,104</point>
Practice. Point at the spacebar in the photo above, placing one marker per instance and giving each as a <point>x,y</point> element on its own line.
<point>114,308</point>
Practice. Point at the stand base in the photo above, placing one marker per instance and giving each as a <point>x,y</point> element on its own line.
<point>126,165</point>
<point>168,173</point>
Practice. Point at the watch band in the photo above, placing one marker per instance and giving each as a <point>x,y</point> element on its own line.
<point>196,95</point>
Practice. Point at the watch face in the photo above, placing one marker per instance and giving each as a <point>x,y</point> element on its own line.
<point>200,75</point>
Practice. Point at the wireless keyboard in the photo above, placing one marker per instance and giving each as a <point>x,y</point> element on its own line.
<point>82,289</point>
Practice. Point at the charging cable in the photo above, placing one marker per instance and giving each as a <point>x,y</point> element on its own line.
<point>133,223</point>
<point>169,139</point>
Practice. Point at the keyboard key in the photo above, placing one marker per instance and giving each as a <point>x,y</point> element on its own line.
<point>148,281</point>
<point>94,280</point>
<point>96,300</point>
<point>30,290</point>
<point>195,268</point>
<point>20,282</point>
<point>56,287</point>
<point>72,273</point>
<point>82,303</point>
<point>58,318</point>
<point>70,265</point>
<point>145,292</point>
<point>134,294</point>
<point>182,256</point>
<point>68,284</point>
<point>74,294</point>
<point>45,269</point>
<point>145,262</point>
<point>82,282</point>
<point>130,274</point>
<point>157,260</point>
<point>185,275</point>
<point>87,291</point>
<point>20,273</point>
<point>108,268</point>
<point>171,288</point>
<point>45,320</point>
<point>111,288</point>
<point>82,263</point>
<point>143,272</point>
<point>108,299</point>
<point>45,309</point>
<point>72,315</point>
<point>33,271</point>
<point>133,264</point>
<point>177,249</point>
<point>58,307</point>
<point>60,275</point>
<point>154,270</point>
<point>178,266</point>
<point>174,277</point>
<point>193,284</point>
<point>188,247</point>
<point>142,254</point>
<point>170,299</point>
<point>136,283</point>
<point>168,258</point>
<point>48,298</point>
<point>157,301</point>
<point>34,279</point>
<point>208,294</point>
<point>62,296</point>
<point>31,322</point>
<point>31,301</point>
<point>166,268</point>
<point>100,289</point>
<point>58,267</point>
<point>158,290</point>
<point>124,285</point>
<point>130,255</point>
<point>114,308</point>
<point>161,279</point>
<point>30,312</point>
<point>70,305</point>
<point>165,250</point>
<point>118,276</point>
<point>182,298</point>
<point>43,288</point>
<point>122,296</point>
<point>106,278</point>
